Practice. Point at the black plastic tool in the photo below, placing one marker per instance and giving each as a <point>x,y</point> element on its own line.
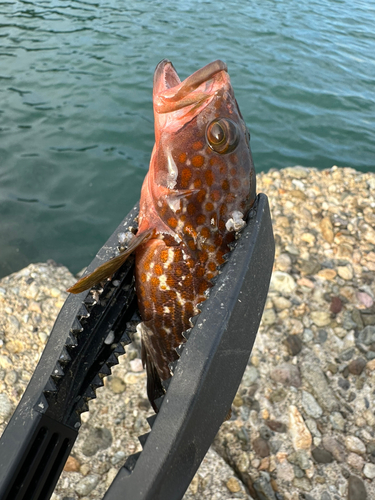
<point>86,340</point>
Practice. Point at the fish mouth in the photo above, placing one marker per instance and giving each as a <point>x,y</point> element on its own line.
<point>170,94</point>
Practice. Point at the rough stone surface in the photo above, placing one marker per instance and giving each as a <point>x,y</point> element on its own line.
<point>322,293</point>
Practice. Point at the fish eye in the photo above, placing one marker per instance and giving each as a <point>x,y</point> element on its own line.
<point>222,135</point>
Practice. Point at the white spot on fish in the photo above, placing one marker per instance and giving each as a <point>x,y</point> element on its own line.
<point>163,282</point>
<point>172,172</point>
<point>166,310</point>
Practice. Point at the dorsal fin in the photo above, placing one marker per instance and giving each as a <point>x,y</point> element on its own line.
<point>108,268</point>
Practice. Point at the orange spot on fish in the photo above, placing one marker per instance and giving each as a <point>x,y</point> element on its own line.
<point>213,161</point>
<point>147,304</point>
<point>191,209</point>
<point>236,183</point>
<point>225,185</point>
<point>203,257</point>
<point>233,172</point>
<point>178,271</point>
<point>220,256</point>
<point>230,197</point>
<point>223,209</point>
<point>177,255</point>
<point>192,245</point>
<point>201,195</point>
<point>201,219</point>
<point>212,266</point>
<point>172,222</point>
<point>171,282</point>
<point>233,158</point>
<point>197,161</point>
<point>197,183</point>
<point>154,281</point>
<point>164,256</point>
<point>210,276</point>
<point>182,157</point>
<point>209,176</point>
<point>205,232</point>
<point>190,263</point>
<point>209,207</point>
<point>221,225</point>
<point>197,145</point>
<point>143,278</point>
<point>185,177</point>
<point>203,286</point>
<point>200,272</point>
<point>158,269</point>
<point>215,195</point>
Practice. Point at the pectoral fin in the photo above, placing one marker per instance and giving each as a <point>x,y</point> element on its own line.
<point>108,268</point>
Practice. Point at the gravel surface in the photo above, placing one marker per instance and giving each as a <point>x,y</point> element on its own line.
<point>303,422</point>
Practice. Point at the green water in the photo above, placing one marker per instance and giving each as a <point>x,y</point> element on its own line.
<point>76,124</point>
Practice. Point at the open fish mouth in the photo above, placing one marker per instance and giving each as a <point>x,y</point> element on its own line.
<point>170,94</point>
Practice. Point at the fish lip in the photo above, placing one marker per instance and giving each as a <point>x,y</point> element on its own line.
<point>170,94</point>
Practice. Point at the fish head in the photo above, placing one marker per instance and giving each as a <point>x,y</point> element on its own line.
<point>201,162</point>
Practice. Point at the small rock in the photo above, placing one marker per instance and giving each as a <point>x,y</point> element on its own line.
<point>136,365</point>
<point>263,487</point>
<point>286,374</point>
<point>355,445</point>
<point>117,457</point>
<point>283,262</point>
<point>333,446</point>
<point>117,385</point>
<point>310,405</point>
<point>336,305</point>
<point>5,362</point>
<point>327,229</point>
<point>5,408</point>
<point>365,336</point>
<point>356,489</point>
<point>347,354</point>
<point>313,375</point>
<point>11,377</point>
<point>327,274</point>
<point>281,303</point>
<point>282,282</point>
<point>320,318</point>
<point>337,421</point>
<point>369,470</point>
<point>276,426</point>
<point>233,485</point>
<point>355,461</point>
<point>300,435</point>
<point>325,496</point>
<point>322,456</point>
<point>269,317</point>
<point>345,272</point>
<point>293,344</point>
<point>357,365</point>
<point>261,447</point>
<point>72,465</point>
<point>365,299</point>
<point>87,484</point>
<point>343,383</point>
<point>250,376</point>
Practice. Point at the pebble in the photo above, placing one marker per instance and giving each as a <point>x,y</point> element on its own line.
<point>355,461</point>
<point>136,365</point>
<point>369,470</point>
<point>365,299</point>
<point>117,457</point>
<point>320,318</point>
<point>345,272</point>
<point>269,317</point>
<point>310,405</point>
<point>286,374</point>
<point>327,229</point>
<point>5,362</point>
<point>5,408</point>
<point>333,446</point>
<point>87,484</point>
<point>300,435</point>
<point>117,385</point>
<point>293,344</point>
<point>354,444</point>
<point>282,282</point>
<point>250,376</point>
<point>261,447</point>
<point>315,378</point>
<point>366,336</point>
<point>322,456</point>
<point>233,485</point>
<point>356,366</point>
<point>356,489</point>
<point>263,487</point>
<point>72,465</point>
<point>327,274</point>
<point>337,421</point>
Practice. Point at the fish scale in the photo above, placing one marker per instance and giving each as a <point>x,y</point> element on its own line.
<point>197,193</point>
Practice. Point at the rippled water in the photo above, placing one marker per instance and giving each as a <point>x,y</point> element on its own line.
<point>76,125</point>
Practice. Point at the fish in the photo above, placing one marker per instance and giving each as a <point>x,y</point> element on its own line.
<point>194,201</point>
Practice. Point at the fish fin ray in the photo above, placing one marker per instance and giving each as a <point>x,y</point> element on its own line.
<point>107,269</point>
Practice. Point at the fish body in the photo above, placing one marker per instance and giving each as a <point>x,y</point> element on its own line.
<point>196,195</point>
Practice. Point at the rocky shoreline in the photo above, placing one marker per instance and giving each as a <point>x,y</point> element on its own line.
<point>303,421</point>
